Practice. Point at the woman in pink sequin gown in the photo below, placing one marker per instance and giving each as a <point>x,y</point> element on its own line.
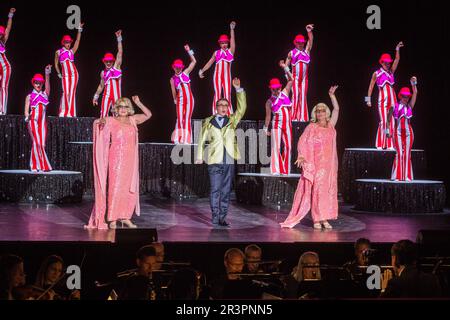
<point>116,161</point>
<point>317,155</point>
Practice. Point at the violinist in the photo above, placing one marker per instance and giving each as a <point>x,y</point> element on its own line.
<point>51,278</point>
<point>12,276</point>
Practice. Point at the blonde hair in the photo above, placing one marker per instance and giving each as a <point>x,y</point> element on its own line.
<point>297,273</point>
<point>124,102</point>
<point>320,106</point>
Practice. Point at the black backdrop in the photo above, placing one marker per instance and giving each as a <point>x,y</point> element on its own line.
<point>345,52</point>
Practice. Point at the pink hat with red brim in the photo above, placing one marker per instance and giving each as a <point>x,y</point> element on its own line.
<point>178,63</point>
<point>37,78</point>
<point>66,38</point>
<point>223,38</point>
<point>405,92</point>
<point>275,84</point>
<point>386,57</point>
<point>108,57</point>
<point>299,39</point>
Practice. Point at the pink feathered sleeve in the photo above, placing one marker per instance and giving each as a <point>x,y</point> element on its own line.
<point>134,188</point>
<point>102,139</point>
<point>305,149</point>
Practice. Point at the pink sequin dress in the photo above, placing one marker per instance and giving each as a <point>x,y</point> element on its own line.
<point>317,188</point>
<point>115,158</point>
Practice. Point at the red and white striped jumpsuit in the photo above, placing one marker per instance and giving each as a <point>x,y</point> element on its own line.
<point>112,79</point>
<point>37,126</point>
<point>67,107</point>
<point>403,140</point>
<point>222,78</point>
<point>386,100</point>
<point>280,162</point>
<point>300,60</point>
<point>5,75</point>
<point>185,106</point>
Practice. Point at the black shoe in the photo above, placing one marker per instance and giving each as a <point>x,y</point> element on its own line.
<point>223,223</point>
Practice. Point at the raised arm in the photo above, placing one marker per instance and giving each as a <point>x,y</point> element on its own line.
<point>335,112</point>
<point>77,41</point>
<point>99,90</point>
<point>414,92</point>
<point>268,117</point>
<point>207,66</point>
<point>119,55</point>
<point>232,37</point>
<point>309,29</point>
<point>193,62</point>
<point>48,71</point>
<point>27,108</point>
<point>368,99</point>
<point>141,118</point>
<point>9,25</point>
<point>289,59</point>
<point>241,101</point>
<point>174,91</point>
<point>58,71</point>
<point>397,57</point>
<point>289,77</point>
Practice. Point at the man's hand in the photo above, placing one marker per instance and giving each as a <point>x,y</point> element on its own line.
<point>236,83</point>
<point>385,277</point>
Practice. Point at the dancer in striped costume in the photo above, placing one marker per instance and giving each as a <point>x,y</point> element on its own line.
<point>384,78</point>
<point>222,71</point>
<point>5,66</point>
<point>299,59</point>
<point>403,134</point>
<point>183,99</point>
<point>110,79</point>
<point>65,57</point>
<point>35,107</point>
<point>279,105</point>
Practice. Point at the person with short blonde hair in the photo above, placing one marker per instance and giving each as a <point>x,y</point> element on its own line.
<point>116,162</point>
<point>317,156</point>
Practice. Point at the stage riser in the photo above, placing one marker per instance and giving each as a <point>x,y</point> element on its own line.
<point>372,165</point>
<point>15,144</point>
<point>273,192</point>
<point>28,188</point>
<point>402,198</point>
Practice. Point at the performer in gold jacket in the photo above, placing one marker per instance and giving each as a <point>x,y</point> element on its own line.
<point>222,151</point>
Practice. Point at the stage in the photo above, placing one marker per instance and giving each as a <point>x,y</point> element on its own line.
<point>189,221</point>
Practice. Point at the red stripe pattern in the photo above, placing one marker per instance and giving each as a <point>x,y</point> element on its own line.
<point>67,107</point>
<point>280,159</point>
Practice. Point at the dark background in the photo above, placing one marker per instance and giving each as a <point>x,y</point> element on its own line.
<point>345,52</point>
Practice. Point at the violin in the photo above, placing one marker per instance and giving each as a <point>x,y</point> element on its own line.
<point>30,292</point>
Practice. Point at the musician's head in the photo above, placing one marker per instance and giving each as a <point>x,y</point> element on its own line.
<point>146,260</point>
<point>159,250</point>
<point>253,253</point>
<point>307,267</point>
<point>362,245</point>
<point>184,285</point>
<point>403,253</point>
<point>12,273</point>
<point>234,262</point>
<point>50,271</point>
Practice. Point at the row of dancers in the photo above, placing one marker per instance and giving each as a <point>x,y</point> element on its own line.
<point>283,106</point>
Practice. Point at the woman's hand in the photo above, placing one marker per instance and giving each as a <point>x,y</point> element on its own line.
<point>300,161</point>
<point>118,33</point>
<point>12,10</point>
<point>413,81</point>
<point>399,45</point>
<point>309,27</point>
<point>282,64</point>
<point>332,91</point>
<point>187,48</point>
<point>232,25</point>
<point>102,123</point>
<point>136,100</point>
<point>48,69</point>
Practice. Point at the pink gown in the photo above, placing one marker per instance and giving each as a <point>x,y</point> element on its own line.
<point>317,188</point>
<point>116,158</point>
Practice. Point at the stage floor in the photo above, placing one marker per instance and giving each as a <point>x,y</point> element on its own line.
<point>189,221</point>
